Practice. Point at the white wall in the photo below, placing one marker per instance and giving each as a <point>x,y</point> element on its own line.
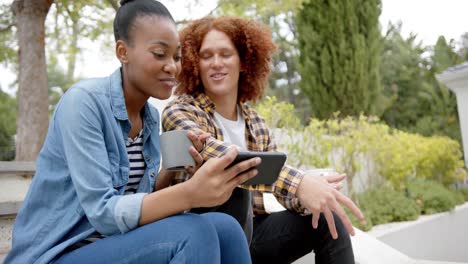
<point>462,102</point>
<point>442,237</point>
<point>456,79</point>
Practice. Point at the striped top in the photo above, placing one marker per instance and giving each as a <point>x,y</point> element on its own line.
<point>137,163</point>
<point>137,170</point>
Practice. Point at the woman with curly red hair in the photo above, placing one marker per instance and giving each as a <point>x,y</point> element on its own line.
<point>252,42</point>
<point>225,64</point>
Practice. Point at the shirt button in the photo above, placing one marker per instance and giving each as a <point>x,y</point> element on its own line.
<point>152,174</point>
<point>148,158</point>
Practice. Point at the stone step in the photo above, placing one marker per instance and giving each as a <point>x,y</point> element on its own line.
<point>6,228</point>
<point>23,168</point>
<point>11,198</point>
<point>16,175</point>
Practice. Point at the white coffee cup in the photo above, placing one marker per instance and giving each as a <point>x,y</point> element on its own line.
<point>321,172</point>
<point>175,150</point>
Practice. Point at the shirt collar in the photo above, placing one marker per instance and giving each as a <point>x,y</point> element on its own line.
<point>244,110</point>
<point>205,103</point>
<point>116,96</point>
<point>117,99</point>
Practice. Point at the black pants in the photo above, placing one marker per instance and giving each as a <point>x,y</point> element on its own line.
<point>239,206</point>
<point>285,236</point>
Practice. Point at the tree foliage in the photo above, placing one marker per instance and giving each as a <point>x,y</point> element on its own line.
<point>72,21</point>
<point>441,116</point>
<point>8,46</point>
<point>81,22</point>
<point>258,9</point>
<point>444,55</point>
<point>339,42</point>
<point>463,51</point>
<point>403,76</point>
<point>7,126</point>
<point>73,25</point>
<point>419,102</point>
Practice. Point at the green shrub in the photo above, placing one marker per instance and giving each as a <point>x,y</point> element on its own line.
<point>354,142</point>
<point>307,147</point>
<point>459,197</point>
<point>464,192</point>
<point>388,156</point>
<point>384,205</point>
<point>397,157</point>
<point>351,145</point>
<point>432,197</point>
<point>404,155</point>
<point>439,159</point>
<point>278,114</point>
<point>366,226</point>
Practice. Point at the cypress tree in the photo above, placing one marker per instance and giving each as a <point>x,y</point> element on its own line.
<point>340,42</point>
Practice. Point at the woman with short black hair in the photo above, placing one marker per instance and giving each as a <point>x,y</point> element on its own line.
<point>92,199</point>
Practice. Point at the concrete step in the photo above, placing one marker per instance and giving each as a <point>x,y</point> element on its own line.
<point>422,261</point>
<point>22,168</point>
<point>368,250</point>
<point>6,228</point>
<point>12,195</point>
<point>16,176</point>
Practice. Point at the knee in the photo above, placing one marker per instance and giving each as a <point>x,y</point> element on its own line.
<point>343,235</point>
<point>187,228</point>
<point>232,240</point>
<point>198,241</point>
<point>223,222</point>
<point>226,226</point>
<point>198,228</point>
<point>340,228</point>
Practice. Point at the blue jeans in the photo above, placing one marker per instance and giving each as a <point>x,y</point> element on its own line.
<point>185,238</point>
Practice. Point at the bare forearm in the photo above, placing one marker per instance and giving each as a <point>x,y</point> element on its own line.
<point>163,180</point>
<point>166,202</point>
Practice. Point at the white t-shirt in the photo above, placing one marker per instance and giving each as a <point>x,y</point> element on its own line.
<point>233,131</point>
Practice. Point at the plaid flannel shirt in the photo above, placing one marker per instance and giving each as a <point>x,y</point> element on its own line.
<point>189,112</point>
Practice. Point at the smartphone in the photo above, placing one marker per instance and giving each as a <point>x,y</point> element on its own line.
<point>268,170</point>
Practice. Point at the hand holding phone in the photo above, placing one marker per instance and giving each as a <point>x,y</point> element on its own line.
<point>268,170</point>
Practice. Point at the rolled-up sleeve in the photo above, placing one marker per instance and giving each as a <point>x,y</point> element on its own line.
<point>79,120</point>
<point>127,211</point>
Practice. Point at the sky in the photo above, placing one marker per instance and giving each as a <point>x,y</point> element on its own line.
<point>427,18</point>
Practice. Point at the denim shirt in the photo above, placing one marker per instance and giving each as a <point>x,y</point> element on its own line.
<point>81,173</point>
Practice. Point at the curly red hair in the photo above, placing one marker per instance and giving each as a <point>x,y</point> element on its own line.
<point>253,42</point>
